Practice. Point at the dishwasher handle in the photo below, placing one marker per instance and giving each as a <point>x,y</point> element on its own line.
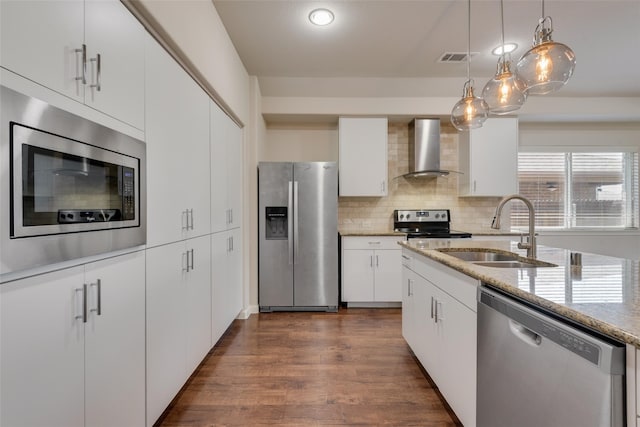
<point>603,352</point>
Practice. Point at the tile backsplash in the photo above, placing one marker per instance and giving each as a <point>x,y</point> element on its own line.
<point>375,214</point>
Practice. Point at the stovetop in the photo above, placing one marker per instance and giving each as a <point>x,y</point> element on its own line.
<point>425,224</point>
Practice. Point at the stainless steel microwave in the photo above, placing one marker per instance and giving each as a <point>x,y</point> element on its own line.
<point>70,187</point>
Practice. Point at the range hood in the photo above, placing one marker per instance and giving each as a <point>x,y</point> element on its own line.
<point>424,149</point>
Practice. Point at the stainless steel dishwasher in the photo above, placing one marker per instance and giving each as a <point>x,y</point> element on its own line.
<point>538,371</point>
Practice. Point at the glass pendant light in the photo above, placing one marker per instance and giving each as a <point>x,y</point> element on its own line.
<point>548,65</point>
<point>470,112</point>
<point>504,93</point>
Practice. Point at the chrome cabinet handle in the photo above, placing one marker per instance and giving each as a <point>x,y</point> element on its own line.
<point>192,263</point>
<point>406,257</point>
<point>185,261</point>
<point>83,77</point>
<point>98,62</point>
<point>187,219</point>
<point>83,315</point>
<point>231,240</point>
<point>432,299</point>
<point>98,309</point>
<point>371,261</point>
<point>377,263</point>
<point>439,317</point>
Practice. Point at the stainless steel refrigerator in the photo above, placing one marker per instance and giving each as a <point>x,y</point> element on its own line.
<point>298,233</point>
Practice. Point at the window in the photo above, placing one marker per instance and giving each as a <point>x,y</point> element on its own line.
<point>578,190</point>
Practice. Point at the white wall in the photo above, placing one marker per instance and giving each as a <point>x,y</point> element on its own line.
<point>300,143</point>
<point>195,29</point>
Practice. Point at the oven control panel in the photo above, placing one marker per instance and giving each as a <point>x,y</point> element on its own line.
<point>428,215</point>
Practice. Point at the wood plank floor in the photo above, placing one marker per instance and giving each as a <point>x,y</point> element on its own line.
<point>310,369</point>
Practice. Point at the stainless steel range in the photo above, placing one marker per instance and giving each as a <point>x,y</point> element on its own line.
<point>426,224</point>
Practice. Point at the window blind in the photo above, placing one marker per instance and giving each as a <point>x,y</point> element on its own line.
<point>578,189</point>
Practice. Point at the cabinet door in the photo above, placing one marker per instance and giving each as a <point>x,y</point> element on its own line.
<point>234,173</point>
<point>42,350</point>
<point>408,327</point>
<point>177,136</point>
<point>457,331</point>
<point>363,156</point>
<point>38,40</point>
<point>219,176</point>
<point>489,159</point>
<point>388,275</point>
<point>427,341</point>
<point>198,309</point>
<point>166,326</point>
<point>236,293</point>
<point>115,334</point>
<point>357,276</point>
<point>227,293</point>
<point>114,34</point>
<point>219,281</point>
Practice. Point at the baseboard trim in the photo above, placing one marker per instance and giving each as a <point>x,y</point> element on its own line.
<point>248,311</point>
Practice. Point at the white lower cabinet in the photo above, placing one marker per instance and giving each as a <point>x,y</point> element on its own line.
<point>72,346</point>
<point>178,317</point>
<point>371,269</point>
<point>441,329</point>
<point>226,295</point>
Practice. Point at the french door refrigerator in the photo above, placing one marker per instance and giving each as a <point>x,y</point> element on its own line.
<point>298,236</point>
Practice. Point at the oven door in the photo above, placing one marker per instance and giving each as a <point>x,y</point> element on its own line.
<point>60,185</point>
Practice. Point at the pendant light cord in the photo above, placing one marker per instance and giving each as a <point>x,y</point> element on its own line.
<point>502,21</point>
<point>468,40</point>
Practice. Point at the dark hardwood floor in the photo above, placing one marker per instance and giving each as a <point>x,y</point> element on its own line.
<point>310,369</point>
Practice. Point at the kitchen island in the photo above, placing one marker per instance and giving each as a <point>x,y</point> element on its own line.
<point>600,293</point>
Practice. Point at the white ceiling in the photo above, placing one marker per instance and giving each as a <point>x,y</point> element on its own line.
<point>391,47</point>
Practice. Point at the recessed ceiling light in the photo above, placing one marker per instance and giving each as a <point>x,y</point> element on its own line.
<point>321,17</point>
<point>508,48</point>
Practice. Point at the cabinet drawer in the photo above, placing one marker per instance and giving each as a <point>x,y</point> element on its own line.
<point>371,242</point>
<point>458,285</point>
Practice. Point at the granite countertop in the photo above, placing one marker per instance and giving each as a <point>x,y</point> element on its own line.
<point>603,294</point>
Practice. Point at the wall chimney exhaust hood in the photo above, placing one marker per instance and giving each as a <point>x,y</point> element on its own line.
<point>424,149</point>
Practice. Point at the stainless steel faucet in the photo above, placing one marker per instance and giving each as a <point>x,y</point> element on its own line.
<point>530,245</point>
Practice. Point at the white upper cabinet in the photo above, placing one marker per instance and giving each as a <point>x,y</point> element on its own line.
<point>57,44</point>
<point>115,65</point>
<point>488,159</point>
<point>177,135</point>
<point>39,40</point>
<point>226,171</point>
<point>363,156</point>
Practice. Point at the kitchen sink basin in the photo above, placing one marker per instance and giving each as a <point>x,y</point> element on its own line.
<point>508,264</point>
<point>481,256</point>
<point>487,258</point>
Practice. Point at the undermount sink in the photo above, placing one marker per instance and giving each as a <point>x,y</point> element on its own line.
<point>487,258</point>
<point>481,256</point>
<point>509,264</point>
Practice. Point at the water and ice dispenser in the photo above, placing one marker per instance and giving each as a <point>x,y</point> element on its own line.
<point>277,219</point>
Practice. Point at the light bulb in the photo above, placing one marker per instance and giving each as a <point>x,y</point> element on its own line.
<point>544,66</point>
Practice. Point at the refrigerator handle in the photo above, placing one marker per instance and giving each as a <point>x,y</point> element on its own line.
<point>290,222</point>
<point>296,235</point>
